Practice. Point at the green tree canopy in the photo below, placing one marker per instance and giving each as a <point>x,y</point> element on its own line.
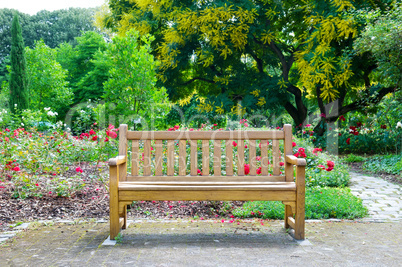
<point>131,84</point>
<point>263,53</point>
<point>47,80</point>
<point>18,76</point>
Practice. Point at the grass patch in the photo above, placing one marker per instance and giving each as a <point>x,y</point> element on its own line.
<point>354,158</point>
<point>321,203</point>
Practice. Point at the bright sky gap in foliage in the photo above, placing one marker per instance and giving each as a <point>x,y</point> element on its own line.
<point>32,7</point>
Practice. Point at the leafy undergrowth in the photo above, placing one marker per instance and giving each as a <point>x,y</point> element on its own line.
<point>391,164</point>
<point>321,203</point>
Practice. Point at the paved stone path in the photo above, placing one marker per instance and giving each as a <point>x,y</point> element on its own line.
<point>383,199</point>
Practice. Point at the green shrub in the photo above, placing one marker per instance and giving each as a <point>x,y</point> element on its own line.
<point>391,164</point>
<point>321,203</point>
<point>354,158</point>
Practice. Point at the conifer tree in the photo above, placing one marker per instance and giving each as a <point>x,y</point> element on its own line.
<point>18,76</point>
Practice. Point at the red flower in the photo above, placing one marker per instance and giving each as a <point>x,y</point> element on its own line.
<point>17,169</point>
<point>259,170</point>
<point>281,163</point>
<point>315,150</point>
<point>348,141</point>
<point>330,165</point>
<point>37,184</point>
<point>384,126</point>
<point>94,138</point>
<point>359,124</point>
<point>293,144</point>
<point>78,169</point>
<point>92,132</point>
<point>112,134</point>
<point>300,153</point>
<point>258,158</point>
<point>342,118</point>
<point>246,169</point>
<point>245,146</point>
<point>234,144</point>
<point>106,139</point>
<point>321,167</point>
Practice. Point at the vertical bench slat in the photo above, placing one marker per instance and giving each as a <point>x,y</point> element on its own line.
<point>275,156</point>
<point>182,157</point>
<point>147,157</point>
<point>193,157</point>
<point>170,157</point>
<point>240,158</point>
<point>135,145</point>
<point>229,158</point>
<point>158,157</point>
<point>287,128</point>
<point>205,157</point>
<point>217,157</point>
<point>123,129</point>
<point>264,157</point>
<point>252,157</point>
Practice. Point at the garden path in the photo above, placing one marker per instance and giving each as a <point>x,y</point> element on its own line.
<point>382,198</point>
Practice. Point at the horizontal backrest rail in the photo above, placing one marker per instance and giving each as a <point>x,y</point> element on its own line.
<point>205,135</point>
<point>209,178</point>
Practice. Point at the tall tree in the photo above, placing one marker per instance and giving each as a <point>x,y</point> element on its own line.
<point>264,53</point>
<point>18,76</point>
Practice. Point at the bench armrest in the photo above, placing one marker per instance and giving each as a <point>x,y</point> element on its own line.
<point>117,161</point>
<point>295,161</point>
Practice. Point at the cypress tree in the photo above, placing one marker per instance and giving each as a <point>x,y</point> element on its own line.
<point>18,75</point>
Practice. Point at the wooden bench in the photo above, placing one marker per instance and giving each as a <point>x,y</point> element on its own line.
<point>155,176</point>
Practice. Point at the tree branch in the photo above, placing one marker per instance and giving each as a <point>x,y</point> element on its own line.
<point>197,78</point>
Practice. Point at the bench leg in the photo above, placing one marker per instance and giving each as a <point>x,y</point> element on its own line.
<point>114,202</point>
<point>124,217</point>
<point>288,213</point>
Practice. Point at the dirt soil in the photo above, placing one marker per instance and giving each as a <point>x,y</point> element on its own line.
<point>94,203</point>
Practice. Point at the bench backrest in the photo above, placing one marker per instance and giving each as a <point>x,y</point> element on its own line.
<point>154,153</point>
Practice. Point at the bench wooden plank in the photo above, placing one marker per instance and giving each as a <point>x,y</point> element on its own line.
<point>208,178</point>
<point>170,158</point>
<point>211,195</point>
<point>182,157</point>
<point>193,157</point>
<point>264,157</point>
<point>217,157</point>
<point>288,150</point>
<point>204,182</point>
<point>147,157</point>
<point>135,163</point>
<point>205,157</point>
<point>201,187</point>
<point>252,157</point>
<point>240,158</point>
<point>158,157</point>
<point>275,157</point>
<point>201,135</point>
<point>229,157</point>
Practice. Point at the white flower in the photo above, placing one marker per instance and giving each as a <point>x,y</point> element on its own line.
<point>51,114</point>
<point>15,105</point>
<point>1,119</point>
<point>22,124</point>
<point>47,109</point>
<point>399,125</point>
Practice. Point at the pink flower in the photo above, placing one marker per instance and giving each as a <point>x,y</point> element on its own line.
<point>37,184</point>
<point>111,134</point>
<point>258,158</point>
<point>245,146</point>
<point>234,144</point>
<point>6,139</point>
<point>281,163</point>
<point>78,169</point>
<point>17,169</point>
